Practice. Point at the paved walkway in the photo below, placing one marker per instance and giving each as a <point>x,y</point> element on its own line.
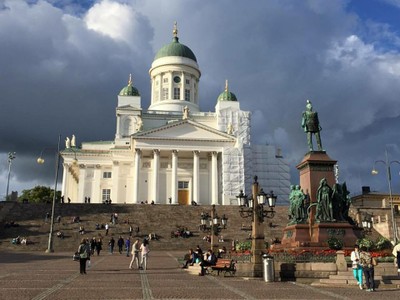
<point>39,276</point>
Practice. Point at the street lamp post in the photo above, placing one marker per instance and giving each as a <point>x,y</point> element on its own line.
<point>214,226</point>
<point>11,156</point>
<point>388,163</point>
<point>40,160</point>
<point>254,208</point>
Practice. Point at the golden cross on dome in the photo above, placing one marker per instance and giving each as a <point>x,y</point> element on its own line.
<point>175,31</point>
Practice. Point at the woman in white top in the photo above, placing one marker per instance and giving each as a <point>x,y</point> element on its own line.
<point>144,249</point>
<point>357,270</point>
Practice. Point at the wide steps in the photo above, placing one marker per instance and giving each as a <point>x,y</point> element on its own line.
<point>159,219</point>
<point>385,276</point>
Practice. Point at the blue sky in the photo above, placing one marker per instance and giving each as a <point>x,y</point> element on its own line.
<point>64,62</point>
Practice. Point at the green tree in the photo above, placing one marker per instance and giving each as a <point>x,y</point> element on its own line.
<point>39,194</point>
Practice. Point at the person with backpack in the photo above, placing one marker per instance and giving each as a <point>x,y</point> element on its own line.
<point>84,255</point>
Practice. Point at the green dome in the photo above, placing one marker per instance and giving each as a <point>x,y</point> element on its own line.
<point>227,96</point>
<point>129,90</point>
<point>175,49</point>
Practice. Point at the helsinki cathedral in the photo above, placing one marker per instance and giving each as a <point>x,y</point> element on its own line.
<point>172,152</point>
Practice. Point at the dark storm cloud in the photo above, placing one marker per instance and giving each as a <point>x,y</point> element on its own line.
<point>62,66</point>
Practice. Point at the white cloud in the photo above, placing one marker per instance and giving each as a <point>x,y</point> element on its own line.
<point>112,19</point>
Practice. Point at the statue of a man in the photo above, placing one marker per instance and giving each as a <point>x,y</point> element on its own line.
<point>139,125</point>
<point>229,128</point>
<point>67,143</point>
<point>73,141</point>
<point>310,123</point>
<point>185,113</point>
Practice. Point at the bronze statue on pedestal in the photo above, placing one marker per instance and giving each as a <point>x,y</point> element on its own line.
<point>310,123</point>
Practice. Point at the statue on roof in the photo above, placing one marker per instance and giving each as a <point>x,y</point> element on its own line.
<point>73,141</point>
<point>229,128</point>
<point>67,143</point>
<point>139,125</point>
<point>186,111</point>
<point>310,124</point>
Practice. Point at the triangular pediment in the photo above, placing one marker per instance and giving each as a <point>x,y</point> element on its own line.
<point>185,130</point>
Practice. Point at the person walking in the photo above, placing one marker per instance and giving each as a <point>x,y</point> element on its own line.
<point>144,251</point>
<point>99,246</point>
<point>357,270</point>
<point>120,244</point>
<point>135,254</point>
<point>396,254</point>
<point>127,246</point>
<point>84,255</point>
<point>111,245</point>
<point>92,245</point>
<point>366,262</point>
<point>106,228</point>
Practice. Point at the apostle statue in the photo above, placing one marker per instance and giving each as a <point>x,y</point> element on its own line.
<point>73,142</point>
<point>67,143</point>
<point>185,113</point>
<point>229,128</point>
<point>310,124</point>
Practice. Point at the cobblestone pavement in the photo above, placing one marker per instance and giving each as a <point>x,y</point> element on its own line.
<point>38,276</point>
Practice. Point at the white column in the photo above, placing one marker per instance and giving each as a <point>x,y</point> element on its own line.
<point>136,176</point>
<point>81,186</point>
<point>156,171</point>
<point>115,180</point>
<point>160,88</point>
<point>64,180</point>
<point>183,84</point>
<point>117,134</point>
<point>214,178</point>
<point>196,177</point>
<point>174,177</point>
<point>171,87</point>
<point>96,192</point>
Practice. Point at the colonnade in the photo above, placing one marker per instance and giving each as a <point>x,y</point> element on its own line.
<point>155,182</point>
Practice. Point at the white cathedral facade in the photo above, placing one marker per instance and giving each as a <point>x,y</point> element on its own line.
<point>172,153</point>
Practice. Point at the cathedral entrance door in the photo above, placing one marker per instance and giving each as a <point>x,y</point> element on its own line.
<point>183,192</point>
<point>183,197</point>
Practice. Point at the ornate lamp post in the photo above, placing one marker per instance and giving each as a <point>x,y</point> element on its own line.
<point>387,164</point>
<point>210,223</point>
<point>40,160</point>
<point>11,156</point>
<point>254,208</point>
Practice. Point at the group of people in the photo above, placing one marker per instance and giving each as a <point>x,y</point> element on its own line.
<point>140,252</point>
<point>204,259</point>
<point>363,263</point>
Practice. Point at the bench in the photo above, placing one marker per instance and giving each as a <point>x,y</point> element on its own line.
<point>224,265</point>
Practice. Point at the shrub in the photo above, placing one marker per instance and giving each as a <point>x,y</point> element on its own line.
<point>335,243</point>
<point>382,243</point>
<point>367,243</point>
<point>243,246</point>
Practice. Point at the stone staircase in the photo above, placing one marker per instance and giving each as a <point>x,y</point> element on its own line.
<point>159,219</point>
<point>385,277</point>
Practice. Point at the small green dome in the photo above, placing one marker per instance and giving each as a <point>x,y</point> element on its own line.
<point>129,90</point>
<point>175,49</point>
<point>227,95</point>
